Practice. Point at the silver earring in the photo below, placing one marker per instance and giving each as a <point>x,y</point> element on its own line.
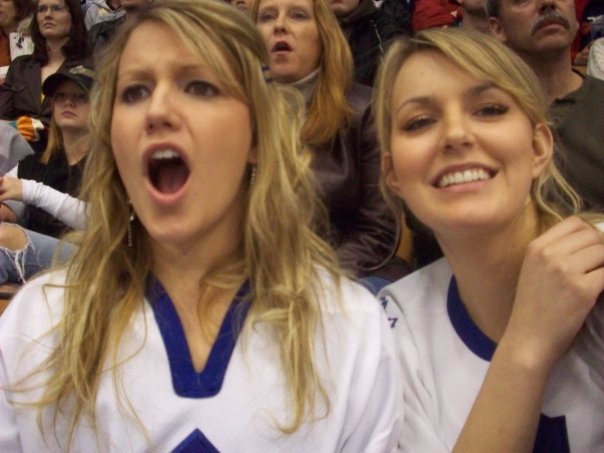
<point>252,174</point>
<point>130,222</point>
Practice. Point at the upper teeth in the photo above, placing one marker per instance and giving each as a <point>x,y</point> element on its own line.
<point>461,177</point>
<point>165,154</point>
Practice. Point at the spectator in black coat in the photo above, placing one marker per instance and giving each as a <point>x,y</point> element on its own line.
<point>369,32</point>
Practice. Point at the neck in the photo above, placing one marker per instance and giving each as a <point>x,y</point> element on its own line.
<point>183,268</point>
<point>475,20</point>
<point>9,28</point>
<point>131,13</point>
<point>307,84</point>
<point>555,72</point>
<point>76,145</point>
<point>486,266</point>
<point>55,52</point>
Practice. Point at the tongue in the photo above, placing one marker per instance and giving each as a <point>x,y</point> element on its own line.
<point>170,176</point>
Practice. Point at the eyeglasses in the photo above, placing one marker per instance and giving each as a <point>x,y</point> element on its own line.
<point>77,98</point>
<point>42,9</point>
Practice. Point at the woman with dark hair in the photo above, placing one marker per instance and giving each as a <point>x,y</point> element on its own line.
<point>14,15</point>
<point>59,36</point>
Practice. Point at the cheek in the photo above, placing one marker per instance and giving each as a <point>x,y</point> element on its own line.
<point>264,32</point>
<point>313,43</point>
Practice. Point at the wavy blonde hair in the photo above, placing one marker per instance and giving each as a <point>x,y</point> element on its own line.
<point>485,59</point>
<point>329,111</point>
<point>280,253</point>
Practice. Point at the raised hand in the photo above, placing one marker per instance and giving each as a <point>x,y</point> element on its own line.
<point>561,278</point>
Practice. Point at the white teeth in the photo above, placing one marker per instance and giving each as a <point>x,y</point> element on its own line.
<point>462,177</point>
<point>165,154</point>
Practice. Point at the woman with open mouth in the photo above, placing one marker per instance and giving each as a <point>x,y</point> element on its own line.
<point>201,312</point>
<point>501,341</point>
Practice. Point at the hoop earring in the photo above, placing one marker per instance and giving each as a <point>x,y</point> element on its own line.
<point>252,174</point>
<point>130,222</point>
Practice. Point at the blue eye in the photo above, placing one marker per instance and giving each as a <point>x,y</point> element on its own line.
<point>202,88</point>
<point>133,93</point>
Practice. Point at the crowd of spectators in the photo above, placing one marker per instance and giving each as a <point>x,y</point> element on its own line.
<point>344,153</point>
<point>353,77</point>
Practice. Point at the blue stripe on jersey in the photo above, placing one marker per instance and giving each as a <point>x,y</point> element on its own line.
<point>552,435</point>
<point>468,332</point>
<point>186,381</point>
<point>196,442</point>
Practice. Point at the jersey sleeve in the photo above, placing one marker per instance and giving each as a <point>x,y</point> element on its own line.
<point>419,432</point>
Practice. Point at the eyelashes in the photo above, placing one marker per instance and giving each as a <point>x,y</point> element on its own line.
<point>136,92</point>
<point>422,121</point>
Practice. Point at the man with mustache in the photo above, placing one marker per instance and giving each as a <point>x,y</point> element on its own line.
<point>542,32</point>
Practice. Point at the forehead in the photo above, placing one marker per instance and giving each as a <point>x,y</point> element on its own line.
<point>307,4</point>
<point>521,4</point>
<point>69,86</point>
<point>424,64</point>
<point>154,46</point>
<point>420,76</point>
<point>52,2</point>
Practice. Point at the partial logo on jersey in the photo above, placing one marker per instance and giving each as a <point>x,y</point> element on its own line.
<point>392,320</point>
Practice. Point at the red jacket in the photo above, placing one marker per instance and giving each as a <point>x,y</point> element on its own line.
<point>435,13</point>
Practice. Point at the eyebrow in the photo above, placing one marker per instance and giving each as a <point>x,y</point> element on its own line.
<point>472,92</point>
<point>146,70</point>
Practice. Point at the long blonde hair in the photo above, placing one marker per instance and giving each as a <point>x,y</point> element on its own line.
<point>486,59</point>
<point>281,255</point>
<point>329,111</point>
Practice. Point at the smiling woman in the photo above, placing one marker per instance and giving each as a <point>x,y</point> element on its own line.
<point>199,289</point>
<point>500,335</point>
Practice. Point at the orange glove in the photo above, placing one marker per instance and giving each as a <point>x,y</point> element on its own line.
<point>28,127</point>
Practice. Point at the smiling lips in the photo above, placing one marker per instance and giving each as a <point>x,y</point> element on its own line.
<point>167,171</point>
<point>463,177</point>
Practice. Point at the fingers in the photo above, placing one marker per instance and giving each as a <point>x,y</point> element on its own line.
<point>561,230</point>
<point>575,245</point>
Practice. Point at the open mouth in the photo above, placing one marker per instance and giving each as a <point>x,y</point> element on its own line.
<point>281,46</point>
<point>168,172</point>
<point>463,177</point>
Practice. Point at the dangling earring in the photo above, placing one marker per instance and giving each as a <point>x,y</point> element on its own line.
<point>252,174</point>
<point>130,222</point>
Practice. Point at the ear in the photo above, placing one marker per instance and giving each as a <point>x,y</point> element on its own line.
<point>543,148</point>
<point>497,30</point>
<point>390,177</point>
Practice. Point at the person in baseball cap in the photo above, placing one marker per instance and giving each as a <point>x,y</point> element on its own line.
<point>80,75</point>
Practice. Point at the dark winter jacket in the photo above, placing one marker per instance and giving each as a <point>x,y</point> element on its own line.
<point>369,32</point>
